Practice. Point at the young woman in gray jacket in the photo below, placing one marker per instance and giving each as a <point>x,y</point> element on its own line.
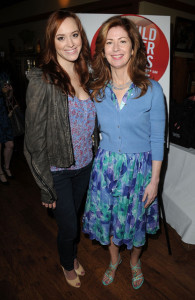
<point>60,121</point>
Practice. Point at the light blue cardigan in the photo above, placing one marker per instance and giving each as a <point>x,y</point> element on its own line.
<point>138,127</point>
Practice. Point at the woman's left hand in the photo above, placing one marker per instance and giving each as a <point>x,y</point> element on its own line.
<point>150,194</point>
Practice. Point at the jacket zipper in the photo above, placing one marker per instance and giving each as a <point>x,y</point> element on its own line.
<point>39,177</point>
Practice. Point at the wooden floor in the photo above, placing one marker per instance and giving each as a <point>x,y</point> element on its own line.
<point>29,265</point>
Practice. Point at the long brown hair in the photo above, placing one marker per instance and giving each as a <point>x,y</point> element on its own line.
<point>137,68</point>
<point>48,62</point>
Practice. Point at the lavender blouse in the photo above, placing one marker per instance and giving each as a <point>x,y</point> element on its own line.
<point>82,121</point>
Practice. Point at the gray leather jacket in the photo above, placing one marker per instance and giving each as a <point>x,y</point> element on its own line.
<point>47,132</point>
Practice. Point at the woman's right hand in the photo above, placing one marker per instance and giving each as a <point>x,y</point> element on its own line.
<point>52,205</point>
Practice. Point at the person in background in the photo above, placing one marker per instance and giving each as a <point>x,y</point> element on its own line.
<point>59,124</point>
<point>121,204</point>
<point>6,133</point>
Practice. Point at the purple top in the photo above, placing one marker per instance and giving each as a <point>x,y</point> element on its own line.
<point>82,122</point>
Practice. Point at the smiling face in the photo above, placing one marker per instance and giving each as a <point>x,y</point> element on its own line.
<point>68,42</point>
<point>118,48</point>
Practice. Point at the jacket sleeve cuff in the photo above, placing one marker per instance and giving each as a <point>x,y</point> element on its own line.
<point>46,198</point>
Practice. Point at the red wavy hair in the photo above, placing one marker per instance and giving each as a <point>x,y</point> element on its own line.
<point>49,63</point>
<point>138,67</point>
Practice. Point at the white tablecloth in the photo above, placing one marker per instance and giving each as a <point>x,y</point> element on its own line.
<point>179,192</point>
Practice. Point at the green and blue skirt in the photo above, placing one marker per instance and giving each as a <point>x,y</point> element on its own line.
<point>114,206</point>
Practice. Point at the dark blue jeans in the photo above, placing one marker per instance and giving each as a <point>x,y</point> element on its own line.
<point>70,186</point>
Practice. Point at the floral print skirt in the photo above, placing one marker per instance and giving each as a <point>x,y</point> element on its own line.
<point>114,204</point>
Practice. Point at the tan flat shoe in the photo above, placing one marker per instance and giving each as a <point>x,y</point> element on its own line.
<point>3,179</point>
<point>74,282</point>
<point>80,271</point>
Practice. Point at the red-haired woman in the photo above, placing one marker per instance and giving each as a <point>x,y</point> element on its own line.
<point>60,121</point>
<point>121,205</point>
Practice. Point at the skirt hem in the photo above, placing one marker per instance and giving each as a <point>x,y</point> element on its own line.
<point>118,242</point>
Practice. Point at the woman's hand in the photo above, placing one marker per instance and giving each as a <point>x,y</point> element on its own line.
<point>150,193</point>
<point>151,190</point>
<point>52,205</point>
